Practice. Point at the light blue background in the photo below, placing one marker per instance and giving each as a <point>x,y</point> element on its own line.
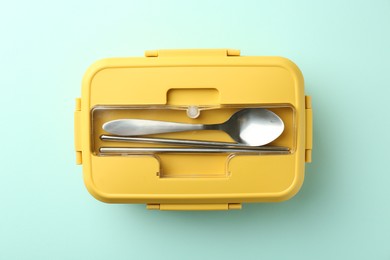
<point>343,209</point>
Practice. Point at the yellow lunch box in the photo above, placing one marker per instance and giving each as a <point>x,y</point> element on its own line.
<point>192,87</point>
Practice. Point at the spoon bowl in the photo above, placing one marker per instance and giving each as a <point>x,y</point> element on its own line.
<point>254,126</point>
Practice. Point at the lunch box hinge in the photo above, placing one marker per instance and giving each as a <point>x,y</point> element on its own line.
<point>309,129</point>
<point>233,52</point>
<point>193,52</point>
<point>77,131</point>
<point>223,206</point>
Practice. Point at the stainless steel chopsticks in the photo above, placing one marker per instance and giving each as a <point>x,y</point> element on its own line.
<point>151,150</point>
<point>186,142</point>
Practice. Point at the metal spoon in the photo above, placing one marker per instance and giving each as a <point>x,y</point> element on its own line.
<point>250,126</point>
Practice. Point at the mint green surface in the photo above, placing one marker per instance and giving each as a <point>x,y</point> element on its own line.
<point>343,208</point>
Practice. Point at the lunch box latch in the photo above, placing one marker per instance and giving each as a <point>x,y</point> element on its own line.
<point>193,53</point>
<point>309,129</point>
<point>77,131</point>
<point>208,206</point>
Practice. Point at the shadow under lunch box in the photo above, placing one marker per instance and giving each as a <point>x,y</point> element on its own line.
<point>192,87</point>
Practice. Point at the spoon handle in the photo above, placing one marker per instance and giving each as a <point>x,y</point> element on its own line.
<point>130,127</point>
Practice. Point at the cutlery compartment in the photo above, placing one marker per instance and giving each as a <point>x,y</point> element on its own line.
<point>186,165</point>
